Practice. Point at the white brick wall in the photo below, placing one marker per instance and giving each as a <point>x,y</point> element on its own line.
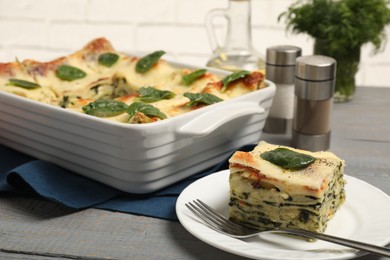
<point>47,29</point>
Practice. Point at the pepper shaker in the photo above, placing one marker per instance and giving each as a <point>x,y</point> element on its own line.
<point>315,78</point>
<point>280,69</point>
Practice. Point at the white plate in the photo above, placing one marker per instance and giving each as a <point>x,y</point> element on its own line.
<point>365,216</point>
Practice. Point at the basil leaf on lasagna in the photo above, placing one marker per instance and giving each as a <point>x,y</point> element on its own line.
<point>69,73</point>
<point>146,109</point>
<point>188,79</point>
<point>201,98</point>
<point>105,108</point>
<point>232,77</point>
<point>288,159</point>
<point>145,63</point>
<point>108,59</point>
<point>23,83</point>
<point>150,94</point>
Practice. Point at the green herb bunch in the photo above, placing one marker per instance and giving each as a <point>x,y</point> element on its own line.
<point>344,24</point>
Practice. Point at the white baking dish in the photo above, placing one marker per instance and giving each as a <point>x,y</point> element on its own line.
<point>134,158</point>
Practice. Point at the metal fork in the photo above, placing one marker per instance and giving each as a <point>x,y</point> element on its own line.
<point>225,226</point>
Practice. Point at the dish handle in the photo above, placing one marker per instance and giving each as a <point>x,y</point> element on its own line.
<point>210,121</point>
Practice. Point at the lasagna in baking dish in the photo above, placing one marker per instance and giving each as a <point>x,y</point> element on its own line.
<point>278,186</point>
<point>102,82</point>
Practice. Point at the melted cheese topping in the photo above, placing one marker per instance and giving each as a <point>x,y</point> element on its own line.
<point>17,71</point>
<point>119,82</point>
<point>312,180</point>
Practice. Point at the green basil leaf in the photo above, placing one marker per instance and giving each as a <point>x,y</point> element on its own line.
<point>150,94</point>
<point>145,63</point>
<point>232,77</point>
<point>105,108</point>
<point>146,109</point>
<point>201,98</point>
<point>193,76</point>
<point>69,73</point>
<point>288,159</point>
<point>23,84</point>
<point>108,59</point>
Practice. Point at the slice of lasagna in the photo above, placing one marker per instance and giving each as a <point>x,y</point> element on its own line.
<point>277,186</point>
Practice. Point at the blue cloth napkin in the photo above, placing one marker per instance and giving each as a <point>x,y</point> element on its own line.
<point>24,175</point>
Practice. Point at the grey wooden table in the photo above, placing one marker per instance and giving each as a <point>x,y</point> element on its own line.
<point>35,229</point>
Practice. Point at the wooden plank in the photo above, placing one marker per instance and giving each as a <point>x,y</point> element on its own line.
<point>35,227</point>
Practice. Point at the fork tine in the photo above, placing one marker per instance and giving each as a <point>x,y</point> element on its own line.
<point>211,220</point>
<point>214,218</point>
<point>222,219</point>
<point>219,222</point>
<point>198,212</point>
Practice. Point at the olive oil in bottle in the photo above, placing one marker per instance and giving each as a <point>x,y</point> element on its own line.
<point>238,53</point>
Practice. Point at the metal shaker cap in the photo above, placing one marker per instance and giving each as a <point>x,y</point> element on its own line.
<point>315,77</point>
<point>280,63</point>
<point>283,55</point>
<point>315,68</point>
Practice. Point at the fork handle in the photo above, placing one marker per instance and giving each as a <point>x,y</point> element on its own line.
<point>378,250</point>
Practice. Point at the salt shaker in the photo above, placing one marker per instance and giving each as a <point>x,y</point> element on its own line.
<point>315,78</point>
<point>280,69</point>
